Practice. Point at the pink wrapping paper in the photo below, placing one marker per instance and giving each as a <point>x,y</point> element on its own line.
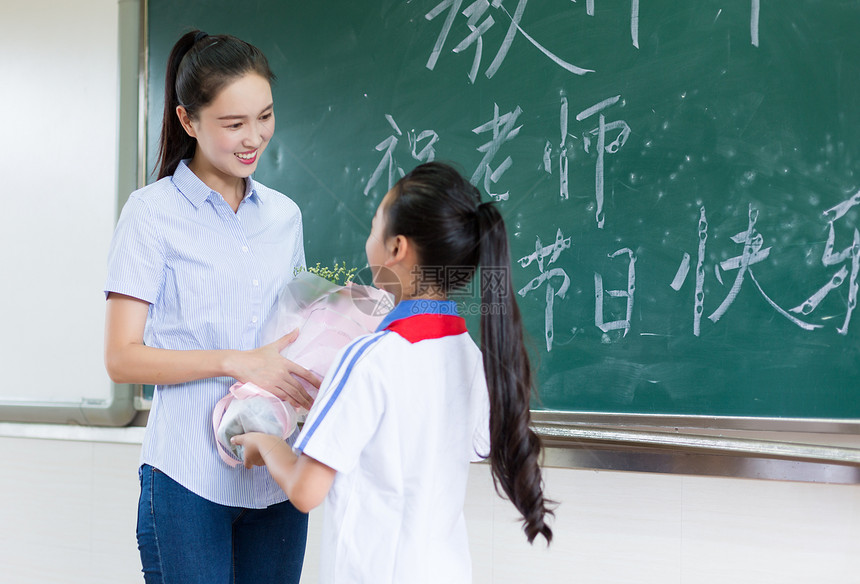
<point>328,317</point>
<point>279,416</point>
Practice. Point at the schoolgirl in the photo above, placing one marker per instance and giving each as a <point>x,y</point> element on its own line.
<point>195,265</point>
<point>404,411</point>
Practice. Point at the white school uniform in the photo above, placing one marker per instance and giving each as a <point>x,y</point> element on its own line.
<point>400,416</point>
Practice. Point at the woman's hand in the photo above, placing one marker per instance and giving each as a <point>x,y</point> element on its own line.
<point>129,360</point>
<point>266,368</point>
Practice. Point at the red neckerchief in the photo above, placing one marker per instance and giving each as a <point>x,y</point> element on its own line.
<point>421,327</point>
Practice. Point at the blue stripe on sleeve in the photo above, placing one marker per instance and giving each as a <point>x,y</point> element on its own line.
<point>358,350</point>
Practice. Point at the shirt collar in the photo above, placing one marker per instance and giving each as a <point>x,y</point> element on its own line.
<point>407,308</point>
<point>196,191</point>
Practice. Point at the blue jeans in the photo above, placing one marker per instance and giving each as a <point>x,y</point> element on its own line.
<point>185,539</point>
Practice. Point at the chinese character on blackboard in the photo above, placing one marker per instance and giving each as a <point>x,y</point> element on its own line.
<point>849,255</point>
<point>503,130</point>
<point>541,254</point>
<point>478,22</point>
<point>389,163</point>
<point>753,253</point>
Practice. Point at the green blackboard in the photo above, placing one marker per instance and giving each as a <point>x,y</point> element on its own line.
<point>679,178</point>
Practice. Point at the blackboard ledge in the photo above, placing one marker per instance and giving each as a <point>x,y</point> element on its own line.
<point>765,424</point>
<point>630,444</point>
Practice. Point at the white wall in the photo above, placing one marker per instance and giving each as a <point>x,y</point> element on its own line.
<point>58,73</point>
<point>68,512</point>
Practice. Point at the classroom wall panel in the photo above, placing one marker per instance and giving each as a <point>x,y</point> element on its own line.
<point>68,511</point>
<point>59,163</point>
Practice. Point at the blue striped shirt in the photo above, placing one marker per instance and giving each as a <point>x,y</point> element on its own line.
<point>211,276</point>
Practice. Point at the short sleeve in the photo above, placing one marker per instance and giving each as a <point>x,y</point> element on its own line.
<point>347,411</point>
<point>136,258</point>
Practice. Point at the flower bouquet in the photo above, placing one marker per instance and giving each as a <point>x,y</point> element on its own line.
<point>249,408</point>
<point>329,316</point>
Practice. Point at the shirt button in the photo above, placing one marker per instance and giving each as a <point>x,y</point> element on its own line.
<point>254,319</point>
<point>245,248</point>
<point>256,282</point>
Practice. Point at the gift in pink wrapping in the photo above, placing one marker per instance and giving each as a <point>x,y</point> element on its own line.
<point>328,317</point>
<point>249,408</point>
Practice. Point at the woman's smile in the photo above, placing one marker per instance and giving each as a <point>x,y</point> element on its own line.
<point>247,157</point>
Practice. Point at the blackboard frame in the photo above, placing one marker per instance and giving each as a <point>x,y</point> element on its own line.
<point>604,420</point>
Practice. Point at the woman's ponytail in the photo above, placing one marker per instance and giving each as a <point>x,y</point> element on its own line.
<point>514,447</point>
<point>174,144</point>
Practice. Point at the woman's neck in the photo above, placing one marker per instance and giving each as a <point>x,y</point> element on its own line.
<point>231,188</point>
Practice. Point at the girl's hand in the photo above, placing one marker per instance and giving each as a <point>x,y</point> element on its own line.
<point>305,480</point>
<point>256,445</point>
<point>268,369</point>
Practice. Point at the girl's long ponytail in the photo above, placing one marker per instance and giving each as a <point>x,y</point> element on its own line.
<point>440,211</point>
<point>514,447</point>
